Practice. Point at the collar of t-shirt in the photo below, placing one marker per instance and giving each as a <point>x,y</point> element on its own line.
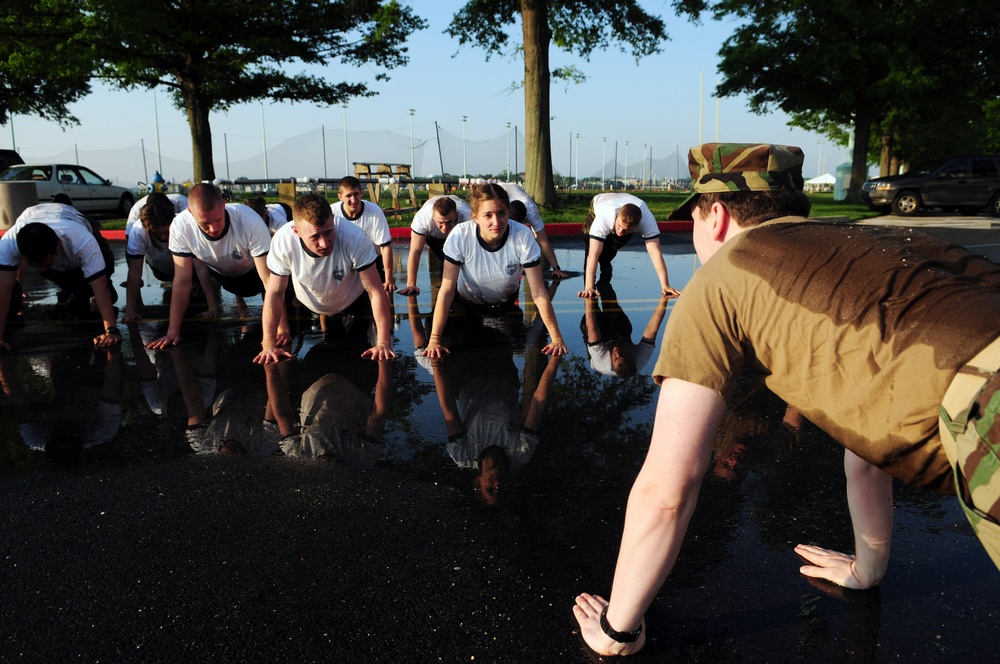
<point>503,239</point>
<point>221,235</point>
<point>361,212</point>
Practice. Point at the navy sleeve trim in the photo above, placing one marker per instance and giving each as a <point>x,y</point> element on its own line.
<point>533,263</point>
<point>182,254</point>
<point>366,266</point>
<point>98,275</point>
<point>9,268</point>
<point>452,260</point>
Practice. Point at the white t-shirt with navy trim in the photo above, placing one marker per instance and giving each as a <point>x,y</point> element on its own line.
<point>77,248</point>
<point>606,208</point>
<point>423,220</point>
<point>180,202</point>
<point>276,217</point>
<point>372,221</point>
<point>533,218</point>
<point>138,243</point>
<point>325,284</point>
<point>491,276</point>
<point>232,253</point>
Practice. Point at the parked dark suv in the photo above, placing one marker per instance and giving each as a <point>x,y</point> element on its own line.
<point>967,184</point>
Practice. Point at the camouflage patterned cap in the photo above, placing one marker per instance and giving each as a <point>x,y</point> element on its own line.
<point>725,167</point>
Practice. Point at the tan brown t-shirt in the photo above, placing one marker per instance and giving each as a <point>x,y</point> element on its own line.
<point>859,327</point>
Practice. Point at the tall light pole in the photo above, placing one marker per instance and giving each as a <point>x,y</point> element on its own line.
<point>626,164</point>
<point>413,166</point>
<point>465,163</point>
<point>577,161</point>
<point>644,164</point>
<point>604,160</point>
<point>156,123</point>
<point>347,161</point>
<point>508,152</point>
<point>263,137</point>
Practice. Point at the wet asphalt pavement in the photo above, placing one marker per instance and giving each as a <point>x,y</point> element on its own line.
<point>119,543</point>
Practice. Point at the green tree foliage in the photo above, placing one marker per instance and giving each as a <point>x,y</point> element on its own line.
<point>900,69</point>
<point>576,26</point>
<point>41,68</point>
<point>212,54</point>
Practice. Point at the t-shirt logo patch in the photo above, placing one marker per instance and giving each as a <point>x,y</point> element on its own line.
<point>338,274</point>
<point>510,269</point>
<point>237,254</point>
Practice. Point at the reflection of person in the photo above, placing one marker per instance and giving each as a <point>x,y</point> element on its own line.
<point>230,240</point>
<point>533,218</point>
<point>147,241</point>
<point>611,222</point>
<point>431,225</point>
<point>367,216</point>
<point>81,407</point>
<point>871,333</point>
<point>607,331</point>
<point>331,265</point>
<point>490,428</point>
<point>342,416</point>
<point>483,268</point>
<point>67,250</point>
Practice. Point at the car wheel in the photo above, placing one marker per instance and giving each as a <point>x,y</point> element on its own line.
<point>907,204</point>
<point>125,205</point>
<point>969,210</point>
<point>994,207</point>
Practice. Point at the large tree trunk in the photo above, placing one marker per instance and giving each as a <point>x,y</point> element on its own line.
<point>859,160</point>
<point>201,134</point>
<point>886,155</point>
<point>537,138</point>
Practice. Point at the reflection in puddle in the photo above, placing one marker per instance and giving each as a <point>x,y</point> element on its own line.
<point>555,443</point>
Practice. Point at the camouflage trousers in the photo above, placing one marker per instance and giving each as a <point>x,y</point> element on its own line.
<point>969,423</point>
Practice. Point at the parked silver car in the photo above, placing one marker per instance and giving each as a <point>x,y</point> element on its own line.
<point>89,191</point>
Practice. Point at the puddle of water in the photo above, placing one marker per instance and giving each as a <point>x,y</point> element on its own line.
<point>569,441</point>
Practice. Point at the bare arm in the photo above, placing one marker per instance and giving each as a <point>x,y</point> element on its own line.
<point>132,282</point>
<point>390,278</point>
<point>590,269</point>
<point>653,326</point>
<point>274,304</point>
<point>208,286</point>
<point>7,280</point>
<point>660,506</point>
<point>284,331</point>
<point>417,243</point>
<point>869,497</point>
<point>446,295</point>
<point>105,307</point>
<point>382,350</point>
<point>180,296</point>
<point>656,255</point>
<point>416,327</point>
<point>550,255</point>
<point>534,276</point>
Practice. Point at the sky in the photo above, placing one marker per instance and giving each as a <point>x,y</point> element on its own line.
<point>659,106</point>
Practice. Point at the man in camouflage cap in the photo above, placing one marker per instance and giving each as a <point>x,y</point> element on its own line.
<point>886,339</point>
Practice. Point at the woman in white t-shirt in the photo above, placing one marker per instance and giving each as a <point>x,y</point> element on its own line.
<point>484,262</point>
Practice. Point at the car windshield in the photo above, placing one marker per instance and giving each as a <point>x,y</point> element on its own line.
<point>26,173</point>
<point>926,168</point>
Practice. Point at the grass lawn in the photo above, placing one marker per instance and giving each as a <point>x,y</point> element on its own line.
<point>574,205</point>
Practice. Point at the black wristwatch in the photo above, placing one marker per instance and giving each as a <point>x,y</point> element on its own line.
<point>113,330</point>
<point>620,637</point>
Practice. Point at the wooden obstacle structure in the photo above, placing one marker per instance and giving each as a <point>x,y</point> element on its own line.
<point>387,176</point>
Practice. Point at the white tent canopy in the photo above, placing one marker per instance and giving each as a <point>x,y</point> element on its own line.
<point>825,179</point>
